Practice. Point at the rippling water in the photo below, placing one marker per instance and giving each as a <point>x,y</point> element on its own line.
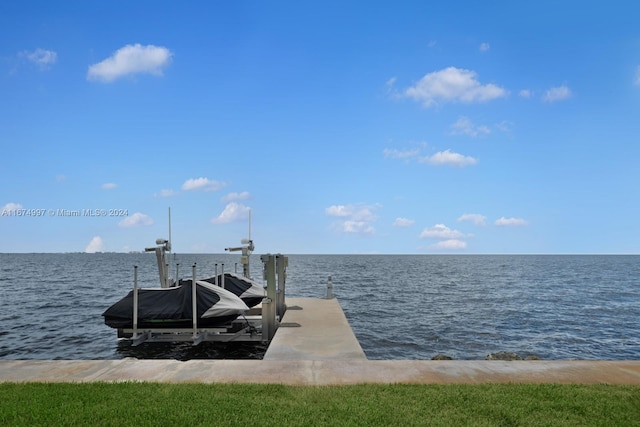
<point>400,307</point>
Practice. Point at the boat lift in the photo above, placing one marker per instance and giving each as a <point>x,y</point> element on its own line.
<point>258,325</point>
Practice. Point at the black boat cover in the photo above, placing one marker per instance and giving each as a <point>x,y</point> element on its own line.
<point>172,307</point>
<point>249,291</point>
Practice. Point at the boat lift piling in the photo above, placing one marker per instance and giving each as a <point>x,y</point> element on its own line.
<point>329,289</point>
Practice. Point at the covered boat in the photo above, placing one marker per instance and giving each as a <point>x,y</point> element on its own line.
<point>249,291</point>
<point>172,307</point>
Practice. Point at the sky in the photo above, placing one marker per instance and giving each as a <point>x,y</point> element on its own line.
<point>414,127</point>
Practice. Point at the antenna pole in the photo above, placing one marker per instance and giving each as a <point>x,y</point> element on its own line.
<point>169,228</point>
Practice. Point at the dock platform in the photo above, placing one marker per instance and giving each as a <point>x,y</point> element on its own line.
<point>314,329</point>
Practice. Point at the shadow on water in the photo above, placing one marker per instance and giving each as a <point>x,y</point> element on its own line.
<point>187,351</point>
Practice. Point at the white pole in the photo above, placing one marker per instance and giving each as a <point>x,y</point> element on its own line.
<point>135,301</point>
<point>194,305</point>
<point>169,229</point>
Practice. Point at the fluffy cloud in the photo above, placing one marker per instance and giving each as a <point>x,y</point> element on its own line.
<point>232,212</point>
<point>464,126</point>
<point>403,222</point>
<point>11,206</point>
<point>440,231</point>
<point>525,93</point>
<point>41,57</point>
<point>511,222</point>
<point>449,158</point>
<point>354,219</point>
<point>476,219</point>
<point>136,220</point>
<point>453,84</point>
<point>484,47</point>
<point>236,196</point>
<point>558,93</point>
<point>202,184</point>
<point>447,245</point>
<point>357,227</point>
<point>129,60</point>
<point>109,186</point>
<point>95,245</point>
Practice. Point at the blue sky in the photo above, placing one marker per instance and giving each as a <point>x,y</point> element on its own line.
<point>344,127</point>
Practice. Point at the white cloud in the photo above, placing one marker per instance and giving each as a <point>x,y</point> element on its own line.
<point>558,93</point>
<point>109,186</point>
<point>525,93</point>
<point>131,59</point>
<point>41,57</point>
<point>464,126</point>
<point>136,220</point>
<point>236,196</point>
<point>400,154</point>
<point>202,184</point>
<point>357,227</point>
<point>355,212</point>
<point>232,212</point>
<point>636,81</point>
<point>451,244</point>
<point>166,193</point>
<point>449,158</point>
<point>95,245</point>
<point>403,222</point>
<point>476,219</point>
<point>440,231</point>
<point>484,47</point>
<point>354,218</point>
<point>453,84</point>
<point>11,207</point>
<point>511,222</point>
<point>504,126</point>
<point>389,84</point>
<point>339,210</point>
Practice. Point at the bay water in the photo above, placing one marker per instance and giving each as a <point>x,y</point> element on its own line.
<point>399,306</point>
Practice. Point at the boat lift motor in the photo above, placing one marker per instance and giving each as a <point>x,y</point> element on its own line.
<point>246,251</point>
<point>162,247</point>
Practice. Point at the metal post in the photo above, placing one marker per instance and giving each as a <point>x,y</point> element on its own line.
<point>282,262</point>
<point>177,275</point>
<point>215,277</point>
<point>235,268</point>
<point>268,304</point>
<point>194,305</point>
<point>222,277</point>
<point>135,301</point>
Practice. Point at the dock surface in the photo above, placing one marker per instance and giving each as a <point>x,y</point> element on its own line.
<point>316,346</point>
<point>314,329</point>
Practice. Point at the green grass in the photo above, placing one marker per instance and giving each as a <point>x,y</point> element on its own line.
<point>154,404</point>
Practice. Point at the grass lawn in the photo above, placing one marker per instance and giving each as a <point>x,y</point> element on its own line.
<point>155,404</point>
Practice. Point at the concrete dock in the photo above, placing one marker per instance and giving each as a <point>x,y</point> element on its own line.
<point>316,346</point>
<point>314,329</point>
